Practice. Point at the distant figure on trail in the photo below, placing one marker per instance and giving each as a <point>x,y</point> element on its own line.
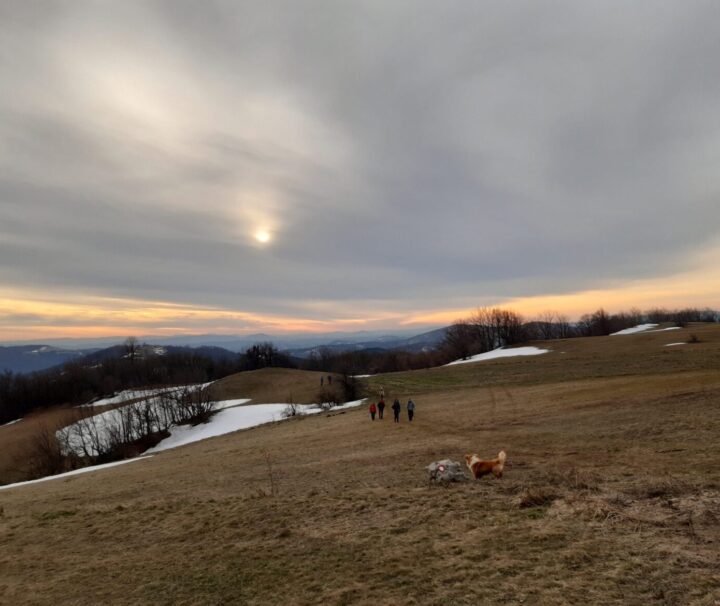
<point>382,392</point>
<point>410,409</point>
<point>329,379</point>
<point>322,378</point>
<point>381,408</point>
<point>396,410</point>
<point>373,410</point>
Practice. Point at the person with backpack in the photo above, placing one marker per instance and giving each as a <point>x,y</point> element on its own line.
<point>396,410</point>
<point>381,408</point>
<point>410,409</point>
<point>373,410</point>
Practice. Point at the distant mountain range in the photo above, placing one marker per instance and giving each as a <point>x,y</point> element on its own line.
<point>422,342</point>
<point>29,358</point>
<point>26,358</point>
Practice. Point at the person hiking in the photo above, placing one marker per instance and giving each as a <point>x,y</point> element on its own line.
<point>410,409</point>
<point>322,378</point>
<point>381,408</point>
<point>382,392</point>
<point>396,410</point>
<point>373,410</point>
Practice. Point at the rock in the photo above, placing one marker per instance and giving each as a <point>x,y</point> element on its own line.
<point>446,471</point>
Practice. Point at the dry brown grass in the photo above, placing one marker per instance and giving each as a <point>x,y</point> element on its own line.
<point>272,385</point>
<point>631,461</point>
<point>16,440</point>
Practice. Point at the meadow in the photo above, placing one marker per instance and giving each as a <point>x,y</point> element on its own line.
<point>611,494</point>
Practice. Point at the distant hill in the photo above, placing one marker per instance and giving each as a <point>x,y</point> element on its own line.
<point>29,358</point>
<point>422,342</point>
<point>150,350</point>
<point>236,343</point>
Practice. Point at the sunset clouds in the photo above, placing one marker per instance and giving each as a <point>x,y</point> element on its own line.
<point>407,161</point>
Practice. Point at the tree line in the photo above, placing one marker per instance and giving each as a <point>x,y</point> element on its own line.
<point>78,382</point>
<point>83,380</point>
<point>489,328</point>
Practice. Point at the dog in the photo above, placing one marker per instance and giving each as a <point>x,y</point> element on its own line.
<point>480,467</point>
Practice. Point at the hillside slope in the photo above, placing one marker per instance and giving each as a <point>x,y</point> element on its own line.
<point>269,385</point>
<point>611,496</point>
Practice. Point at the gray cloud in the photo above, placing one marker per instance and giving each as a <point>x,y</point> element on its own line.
<point>407,154</point>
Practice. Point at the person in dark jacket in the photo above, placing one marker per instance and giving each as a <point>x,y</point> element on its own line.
<point>381,408</point>
<point>396,410</point>
<point>373,410</point>
<point>410,409</point>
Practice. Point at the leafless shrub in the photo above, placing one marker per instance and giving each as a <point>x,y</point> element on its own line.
<point>693,338</point>
<point>45,456</point>
<point>195,405</point>
<point>117,433</point>
<point>291,410</point>
<point>328,395</point>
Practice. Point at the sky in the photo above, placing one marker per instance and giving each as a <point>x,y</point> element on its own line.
<point>171,167</point>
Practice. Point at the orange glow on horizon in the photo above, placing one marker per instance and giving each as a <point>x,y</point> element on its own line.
<point>26,316</point>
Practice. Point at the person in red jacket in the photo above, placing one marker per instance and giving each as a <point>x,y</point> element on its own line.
<point>373,410</point>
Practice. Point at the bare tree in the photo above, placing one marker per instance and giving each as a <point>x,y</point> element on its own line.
<point>45,456</point>
<point>131,346</point>
<point>460,341</point>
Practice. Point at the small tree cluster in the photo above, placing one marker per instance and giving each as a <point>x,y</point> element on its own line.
<point>82,381</point>
<point>484,330</point>
<point>264,355</point>
<point>117,433</point>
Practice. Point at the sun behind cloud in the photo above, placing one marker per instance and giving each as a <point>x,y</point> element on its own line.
<point>263,236</point>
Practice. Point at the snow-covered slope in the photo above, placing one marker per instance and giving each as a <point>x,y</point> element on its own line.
<point>634,329</point>
<point>502,353</point>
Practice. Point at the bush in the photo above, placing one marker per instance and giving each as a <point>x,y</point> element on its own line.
<point>291,410</point>
<point>45,456</point>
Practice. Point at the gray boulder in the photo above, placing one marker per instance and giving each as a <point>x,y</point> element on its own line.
<point>446,471</point>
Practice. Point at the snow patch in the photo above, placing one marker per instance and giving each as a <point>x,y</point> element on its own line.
<point>502,353</point>
<point>43,349</point>
<point>673,344</point>
<point>11,422</point>
<point>234,418</point>
<point>135,394</point>
<point>230,403</point>
<point>634,329</point>
<point>664,329</point>
<point>75,472</point>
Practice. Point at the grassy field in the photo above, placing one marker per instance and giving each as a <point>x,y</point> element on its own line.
<point>611,496</point>
<point>17,440</point>
<point>272,385</point>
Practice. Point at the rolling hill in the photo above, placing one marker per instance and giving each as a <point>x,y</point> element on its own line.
<point>611,495</point>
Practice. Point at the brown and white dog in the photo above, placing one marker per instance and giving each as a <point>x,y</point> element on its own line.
<point>480,467</point>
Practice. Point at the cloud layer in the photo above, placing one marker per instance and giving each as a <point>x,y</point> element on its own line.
<point>403,156</point>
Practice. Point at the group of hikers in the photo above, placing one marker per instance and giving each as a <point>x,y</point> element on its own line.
<point>379,408</point>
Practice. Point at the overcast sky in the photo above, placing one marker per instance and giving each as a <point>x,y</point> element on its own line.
<point>405,159</point>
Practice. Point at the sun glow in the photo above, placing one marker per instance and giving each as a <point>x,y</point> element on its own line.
<point>262,236</point>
